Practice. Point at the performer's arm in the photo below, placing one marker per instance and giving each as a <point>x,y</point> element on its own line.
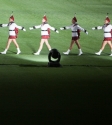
<point>35,27</point>
<point>54,29</point>
<point>97,28</point>
<point>65,28</point>
<point>3,25</point>
<point>82,29</point>
<point>23,29</point>
<point>20,27</point>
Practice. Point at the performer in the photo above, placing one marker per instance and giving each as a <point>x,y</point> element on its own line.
<point>75,28</point>
<point>45,34</point>
<point>13,30</point>
<point>107,28</point>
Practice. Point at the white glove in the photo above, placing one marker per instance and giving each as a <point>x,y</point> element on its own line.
<point>31,28</point>
<point>24,29</point>
<point>87,33</point>
<point>57,31</point>
<point>93,28</point>
<point>61,28</point>
<point>99,27</point>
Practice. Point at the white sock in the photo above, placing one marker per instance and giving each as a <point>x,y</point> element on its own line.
<point>100,51</point>
<point>18,49</point>
<point>38,51</point>
<point>80,51</point>
<point>5,50</point>
<point>68,50</point>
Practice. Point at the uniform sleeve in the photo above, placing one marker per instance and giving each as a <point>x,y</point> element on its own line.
<point>100,27</point>
<point>82,29</point>
<point>97,28</point>
<point>111,26</point>
<point>19,27</point>
<point>65,27</point>
<point>3,25</point>
<point>35,27</point>
<point>52,28</point>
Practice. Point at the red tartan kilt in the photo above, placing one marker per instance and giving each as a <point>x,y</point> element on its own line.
<point>75,38</point>
<point>12,37</point>
<point>45,37</point>
<point>107,39</point>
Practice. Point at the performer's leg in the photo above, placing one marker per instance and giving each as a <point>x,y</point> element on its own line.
<point>110,44</point>
<point>7,46</point>
<point>71,46</point>
<point>79,47</point>
<point>40,47</point>
<point>102,47</point>
<point>8,43</point>
<point>47,44</point>
<point>17,46</point>
<point>77,43</point>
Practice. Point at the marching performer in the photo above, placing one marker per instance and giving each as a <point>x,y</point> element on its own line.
<point>107,28</point>
<point>13,31</point>
<point>45,34</point>
<point>75,29</point>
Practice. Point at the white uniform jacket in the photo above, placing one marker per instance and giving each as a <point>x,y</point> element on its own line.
<point>75,28</point>
<point>107,28</point>
<point>44,28</point>
<point>12,27</point>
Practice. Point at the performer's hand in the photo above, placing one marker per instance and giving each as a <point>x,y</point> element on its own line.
<point>93,28</point>
<point>24,29</point>
<point>99,27</point>
<point>31,28</point>
<point>87,33</point>
<point>57,31</point>
<point>61,28</point>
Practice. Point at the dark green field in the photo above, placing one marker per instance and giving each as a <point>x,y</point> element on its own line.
<point>77,93</point>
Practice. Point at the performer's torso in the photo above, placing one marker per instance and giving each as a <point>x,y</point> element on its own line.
<point>74,29</point>
<point>44,29</point>
<point>107,30</point>
<point>11,29</point>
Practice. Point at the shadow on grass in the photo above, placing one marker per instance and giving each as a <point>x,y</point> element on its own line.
<point>33,93</point>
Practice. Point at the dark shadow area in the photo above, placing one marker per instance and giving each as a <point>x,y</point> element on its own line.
<point>77,93</point>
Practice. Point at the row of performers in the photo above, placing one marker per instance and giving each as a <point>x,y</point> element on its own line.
<point>45,34</point>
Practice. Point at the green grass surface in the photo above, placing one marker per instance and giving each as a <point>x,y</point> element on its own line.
<point>77,93</point>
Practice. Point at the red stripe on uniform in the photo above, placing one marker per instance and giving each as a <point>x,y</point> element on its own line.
<point>107,39</point>
<point>12,37</point>
<point>45,36</point>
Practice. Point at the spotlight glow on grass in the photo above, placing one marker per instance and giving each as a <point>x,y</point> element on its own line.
<point>40,58</point>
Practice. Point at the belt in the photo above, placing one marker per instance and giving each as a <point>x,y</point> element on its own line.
<point>44,30</point>
<point>107,32</point>
<point>74,31</point>
<point>11,30</point>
